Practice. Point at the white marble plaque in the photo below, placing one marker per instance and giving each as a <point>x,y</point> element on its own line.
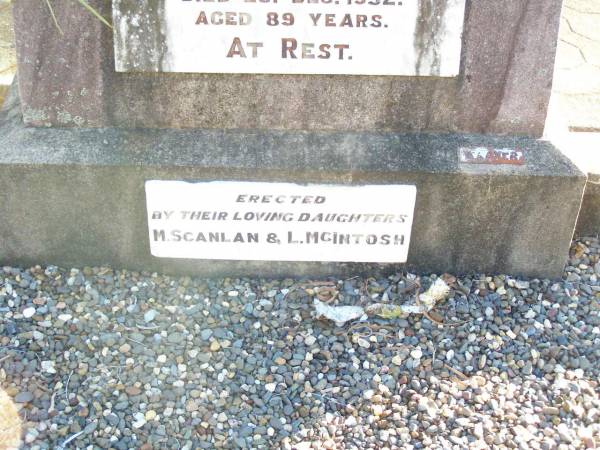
<point>279,221</point>
<point>360,37</point>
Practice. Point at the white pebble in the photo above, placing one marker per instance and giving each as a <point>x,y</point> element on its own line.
<point>397,360</point>
<point>150,315</point>
<point>140,420</point>
<point>28,312</point>
<point>363,343</point>
<point>65,317</point>
<point>350,421</point>
<point>48,366</point>
<point>270,387</point>
<point>37,335</point>
<point>416,353</point>
<point>310,340</point>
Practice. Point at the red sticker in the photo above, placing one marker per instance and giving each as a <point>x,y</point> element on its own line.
<point>490,155</point>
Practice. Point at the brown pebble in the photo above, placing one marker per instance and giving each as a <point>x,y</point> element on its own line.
<point>133,390</point>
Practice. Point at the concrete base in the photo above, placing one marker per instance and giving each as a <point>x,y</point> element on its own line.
<point>75,197</point>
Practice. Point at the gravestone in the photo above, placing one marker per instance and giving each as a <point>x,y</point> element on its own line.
<point>286,137</point>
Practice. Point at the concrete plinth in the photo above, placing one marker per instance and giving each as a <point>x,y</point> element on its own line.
<point>75,197</point>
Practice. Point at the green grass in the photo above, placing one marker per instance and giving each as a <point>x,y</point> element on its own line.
<point>87,6</point>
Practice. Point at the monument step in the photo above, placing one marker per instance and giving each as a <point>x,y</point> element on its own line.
<point>74,197</point>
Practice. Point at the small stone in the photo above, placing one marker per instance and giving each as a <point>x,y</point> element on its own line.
<point>271,387</point>
<point>206,334</point>
<point>397,360</point>
<point>38,336</point>
<point>191,406</point>
<point>125,348</point>
<point>364,343</point>
<point>478,381</point>
<point>551,411</point>
<point>23,397</point>
<point>280,361</point>
<point>133,390</point>
<point>150,315</point>
<point>215,346</point>
<point>310,340</point>
<point>112,419</point>
<point>222,417</point>
<point>482,362</point>
<point>28,312</point>
<point>530,314</point>
<point>350,421</point>
<point>48,367</point>
<point>416,353</point>
<point>65,317</point>
<point>161,359</point>
<point>139,420</point>
<point>150,415</point>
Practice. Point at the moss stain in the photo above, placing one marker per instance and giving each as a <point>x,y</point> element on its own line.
<point>140,34</point>
<point>428,35</point>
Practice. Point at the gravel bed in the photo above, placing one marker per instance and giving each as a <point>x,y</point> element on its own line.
<point>98,358</point>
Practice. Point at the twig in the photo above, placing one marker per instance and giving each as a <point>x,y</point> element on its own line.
<point>456,372</point>
<point>137,342</point>
<point>147,328</point>
<point>54,17</point>
<point>326,294</point>
<point>4,358</point>
<point>87,6</point>
<point>51,409</point>
<point>69,439</point>
<point>67,386</point>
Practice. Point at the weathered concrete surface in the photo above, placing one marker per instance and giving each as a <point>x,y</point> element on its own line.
<point>505,81</point>
<point>73,197</point>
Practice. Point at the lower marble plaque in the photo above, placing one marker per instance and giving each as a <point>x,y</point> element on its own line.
<point>230,220</point>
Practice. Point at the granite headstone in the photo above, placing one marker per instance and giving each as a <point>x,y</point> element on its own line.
<point>217,137</point>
